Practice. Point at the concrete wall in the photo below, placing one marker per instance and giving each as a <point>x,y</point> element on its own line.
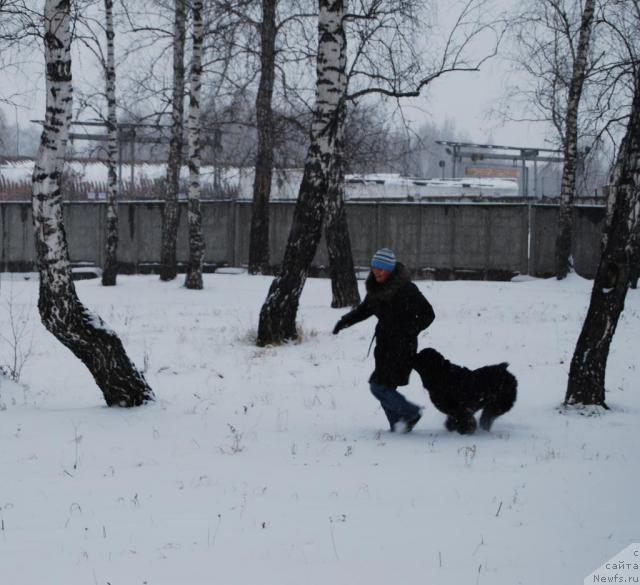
<point>439,237</point>
<point>17,248</point>
<point>588,222</point>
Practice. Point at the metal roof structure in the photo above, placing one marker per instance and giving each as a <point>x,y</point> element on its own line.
<point>494,152</point>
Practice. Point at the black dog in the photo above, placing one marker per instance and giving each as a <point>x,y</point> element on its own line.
<point>460,392</point>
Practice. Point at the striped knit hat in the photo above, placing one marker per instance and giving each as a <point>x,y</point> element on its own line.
<point>384,259</point>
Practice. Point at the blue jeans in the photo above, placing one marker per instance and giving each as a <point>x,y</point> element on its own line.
<point>394,404</point>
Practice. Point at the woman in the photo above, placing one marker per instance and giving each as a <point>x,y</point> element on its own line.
<point>402,312</point>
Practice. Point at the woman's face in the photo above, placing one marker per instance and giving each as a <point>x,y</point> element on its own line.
<point>381,275</point>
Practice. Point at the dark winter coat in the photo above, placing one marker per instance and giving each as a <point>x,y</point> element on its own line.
<point>402,313</point>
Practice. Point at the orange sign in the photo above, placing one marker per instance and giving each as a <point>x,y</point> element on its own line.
<point>492,172</point>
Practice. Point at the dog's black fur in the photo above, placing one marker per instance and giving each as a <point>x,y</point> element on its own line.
<point>459,392</point>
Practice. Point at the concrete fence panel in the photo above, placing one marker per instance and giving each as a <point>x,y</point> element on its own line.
<point>470,237</point>
<point>148,231</point>
<point>363,230</point>
<point>588,226</point>
<point>543,239</point>
<point>588,223</point>
<point>436,236</point>
<point>450,236</point>
<point>223,230</point>
<point>84,226</point>
<point>508,240</point>
<point>243,231</point>
<point>128,228</point>
<point>399,228</point>
<point>18,251</point>
<point>280,219</point>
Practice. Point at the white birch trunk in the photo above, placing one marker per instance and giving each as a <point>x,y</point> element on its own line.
<point>344,286</point>
<point>586,383</point>
<point>568,185</point>
<point>83,332</point>
<point>170,213</point>
<point>278,314</point>
<point>110,271</point>
<point>193,278</point>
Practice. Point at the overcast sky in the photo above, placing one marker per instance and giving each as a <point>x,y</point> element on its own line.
<point>469,98</point>
<point>466,97</point>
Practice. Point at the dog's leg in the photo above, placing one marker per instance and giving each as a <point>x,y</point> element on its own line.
<point>451,424</point>
<point>467,425</point>
<point>463,422</point>
<point>487,417</point>
<point>505,397</point>
<point>491,412</point>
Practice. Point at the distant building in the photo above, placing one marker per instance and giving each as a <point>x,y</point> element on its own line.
<point>538,171</point>
<point>86,180</point>
<point>395,186</point>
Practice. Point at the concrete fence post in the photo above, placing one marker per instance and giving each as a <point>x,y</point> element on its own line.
<point>234,232</point>
<point>419,258</point>
<point>487,237</point>
<point>531,241</point>
<point>378,212</point>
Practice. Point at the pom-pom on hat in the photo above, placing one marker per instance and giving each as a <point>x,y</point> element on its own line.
<point>384,259</point>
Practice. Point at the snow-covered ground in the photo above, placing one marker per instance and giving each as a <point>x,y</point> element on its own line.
<point>274,466</point>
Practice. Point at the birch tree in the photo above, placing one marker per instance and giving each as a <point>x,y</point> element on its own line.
<point>272,56</point>
<point>193,278</point>
<point>62,313</point>
<point>635,259</point>
<point>570,143</point>
<point>88,27</point>
<point>388,39</point>
<point>278,314</point>
<point>387,61</point>
<point>586,383</point>
<point>259,235</point>
<point>344,286</point>
<point>110,271</point>
<point>170,212</point>
<point>293,49</point>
